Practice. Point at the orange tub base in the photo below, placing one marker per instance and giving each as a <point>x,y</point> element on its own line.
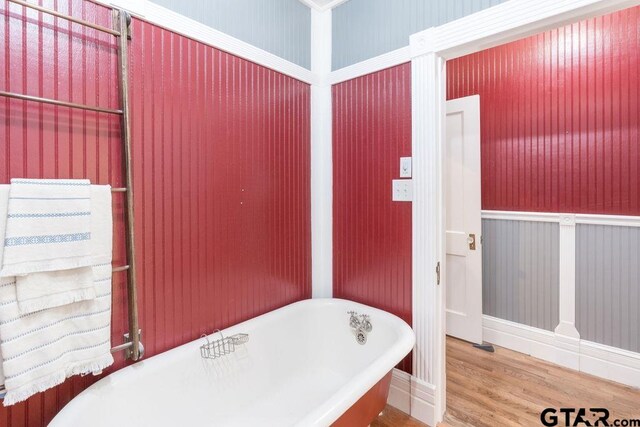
<point>368,407</point>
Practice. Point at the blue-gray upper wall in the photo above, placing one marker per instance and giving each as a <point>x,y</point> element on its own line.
<point>363,29</point>
<point>281,27</point>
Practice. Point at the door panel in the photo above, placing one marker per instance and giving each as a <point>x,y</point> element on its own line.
<point>463,222</point>
<point>457,243</point>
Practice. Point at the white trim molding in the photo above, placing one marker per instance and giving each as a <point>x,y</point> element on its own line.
<point>596,359</point>
<point>521,216</point>
<point>617,220</point>
<point>372,65</point>
<point>321,159</point>
<point>593,219</point>
<point>315,6</point>
<point>187,27</point>
<point>427,234</point>
<point>412,396</point>
<point>135,7</point>
<point>515,19</point>
<point>567,279</point>
<point>429,50</point>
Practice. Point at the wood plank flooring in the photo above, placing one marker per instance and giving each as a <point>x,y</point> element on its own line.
<point>507,388</point>
<point>392,417</point>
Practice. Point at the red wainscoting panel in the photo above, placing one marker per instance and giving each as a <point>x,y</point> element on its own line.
<point>371,233</point>
<point>221,171</point>
<point>560,117</point>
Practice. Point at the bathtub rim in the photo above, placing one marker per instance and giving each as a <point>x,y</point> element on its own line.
<point>326,412</point>
<point>329,411</point>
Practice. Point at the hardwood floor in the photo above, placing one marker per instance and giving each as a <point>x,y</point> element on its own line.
<point>392,417</point>
<point>507,388</point>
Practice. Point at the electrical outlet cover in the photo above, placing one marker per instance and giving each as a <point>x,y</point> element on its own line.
<point>402,190</point>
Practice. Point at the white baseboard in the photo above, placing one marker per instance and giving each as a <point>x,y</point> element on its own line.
<point>412,396</point>
<point>400,391</point>
<point>596,359</point>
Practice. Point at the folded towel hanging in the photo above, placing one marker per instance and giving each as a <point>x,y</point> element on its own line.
<point>48,226</point>
<point>41,349</point>
<point>37,291</point>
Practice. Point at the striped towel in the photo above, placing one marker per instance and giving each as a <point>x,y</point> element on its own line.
<point>37,291</point>
<point>48,226</point>
<point>40,350</point>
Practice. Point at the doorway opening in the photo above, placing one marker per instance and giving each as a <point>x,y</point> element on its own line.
<point>527,252</point>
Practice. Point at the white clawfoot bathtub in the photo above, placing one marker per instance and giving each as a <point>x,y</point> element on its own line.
<point>302,366</point>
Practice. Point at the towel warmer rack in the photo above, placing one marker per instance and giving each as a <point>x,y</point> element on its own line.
<point>121,22</point>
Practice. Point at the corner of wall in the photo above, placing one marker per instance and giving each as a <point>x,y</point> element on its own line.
<point>413,397</point>
<point>321,157</point>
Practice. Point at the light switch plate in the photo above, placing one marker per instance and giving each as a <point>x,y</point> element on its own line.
<point>402,190</point>
<point>405,167</point>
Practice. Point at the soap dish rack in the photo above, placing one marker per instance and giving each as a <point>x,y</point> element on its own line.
<point>221,346</point>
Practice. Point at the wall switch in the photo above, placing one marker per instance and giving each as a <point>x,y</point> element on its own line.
<point>402,190</point>
<point>405,167</point>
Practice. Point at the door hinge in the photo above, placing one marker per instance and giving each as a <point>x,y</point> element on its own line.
<point>438,272</point>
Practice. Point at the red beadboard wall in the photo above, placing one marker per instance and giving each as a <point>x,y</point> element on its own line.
<point>371,233</point>
<point>221,171</point>
<point>560,117</point>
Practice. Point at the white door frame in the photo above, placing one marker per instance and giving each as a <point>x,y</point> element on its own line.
<point>430,49</point>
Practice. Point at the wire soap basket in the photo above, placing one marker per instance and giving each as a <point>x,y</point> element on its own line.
<point>221,346</point>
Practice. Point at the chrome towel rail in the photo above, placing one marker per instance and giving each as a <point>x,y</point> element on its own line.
<point>57,102</point>
<point>121,21</point>
<point>67,17</point>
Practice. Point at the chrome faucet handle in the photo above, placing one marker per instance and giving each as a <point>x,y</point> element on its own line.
<point>354,321</point>
<point>366,323</point>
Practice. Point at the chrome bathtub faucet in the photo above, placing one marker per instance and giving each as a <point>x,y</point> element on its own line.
<point>361,326</point>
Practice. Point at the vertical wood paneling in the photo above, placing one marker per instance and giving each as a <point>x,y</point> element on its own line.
<point>371,233</point>
<point>520,272</point>
<point>607,285</point>
<point>221,170</point>
<point>224,203</point>
<point>560,117</point>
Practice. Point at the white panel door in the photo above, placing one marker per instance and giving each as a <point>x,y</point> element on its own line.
<point>463,222</point>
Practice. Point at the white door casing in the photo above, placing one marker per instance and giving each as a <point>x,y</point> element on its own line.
<point>463,220</point>
<point>429,50</point>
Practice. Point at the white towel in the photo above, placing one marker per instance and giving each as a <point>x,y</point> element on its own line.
<point>37,291</point>
<point>39,350</point>
<point>48,226</point>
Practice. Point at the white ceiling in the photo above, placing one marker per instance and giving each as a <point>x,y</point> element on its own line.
<point>323,4</point>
